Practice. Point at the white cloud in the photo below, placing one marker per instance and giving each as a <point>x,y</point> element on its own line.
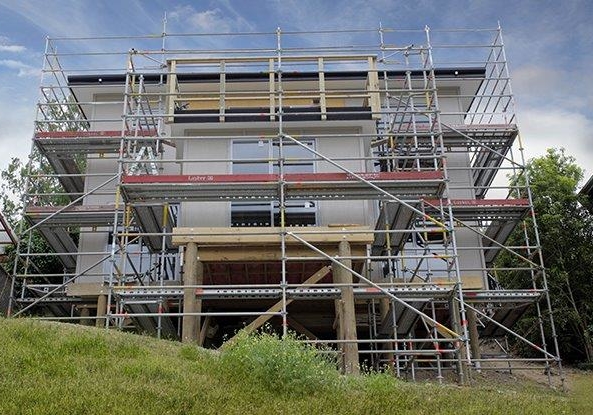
<point>52,19</point>
<point>22,68</point>
<point>543,128</point>
<point>17,126</point>
<point>532,77</point>
<point>313,14</point>
<point>547,86</point>
<point>12,48</point>
<point>69,18</point>
<point>211,20</point>
<point>7,46</point>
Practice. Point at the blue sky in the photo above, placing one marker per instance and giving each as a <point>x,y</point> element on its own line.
<point>549,47</point>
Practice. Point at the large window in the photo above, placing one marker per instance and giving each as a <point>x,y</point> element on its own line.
<point>261,156</point>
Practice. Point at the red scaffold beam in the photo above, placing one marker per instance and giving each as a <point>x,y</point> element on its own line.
<point>87,134</point>
<point>294,177</point>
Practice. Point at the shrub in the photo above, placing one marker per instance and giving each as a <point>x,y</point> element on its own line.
<point>585,366</point>
<point>286,365</point>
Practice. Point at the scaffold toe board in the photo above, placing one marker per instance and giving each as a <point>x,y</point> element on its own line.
<point>323,291</point>
<point>502,296</point>
<point>248,187</point>
<point>89,142</point>
<point>272,235</point>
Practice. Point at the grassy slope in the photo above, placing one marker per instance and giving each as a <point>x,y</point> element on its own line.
<point>58,368</point>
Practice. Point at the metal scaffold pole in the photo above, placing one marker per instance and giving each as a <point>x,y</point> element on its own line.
<point>542,268</point>
<point>464,351</point>
<point>281,183</point>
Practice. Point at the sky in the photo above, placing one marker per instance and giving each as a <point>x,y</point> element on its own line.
<point>549,46</point>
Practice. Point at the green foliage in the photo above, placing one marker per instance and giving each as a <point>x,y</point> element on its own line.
<point>35,183</point>
<point>566,239</point>
<point>554,177</point>
<point>585,366</point>
<point>62,114</point>
<point>13,181</point>
<point>285,366</point>
<point>67,369</point>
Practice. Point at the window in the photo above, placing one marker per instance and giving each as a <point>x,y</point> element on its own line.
<point>261,156</point>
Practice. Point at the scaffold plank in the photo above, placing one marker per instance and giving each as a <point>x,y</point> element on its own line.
<point>53,223</point>
<point>70,143</point>
<point>425,292</point>
<point>258,236</point>
<point>247,187</point>
<point>495,136</point>
<point>239,253</point>
<point>95,134</point>
<point>303,293</point>
<point>76,215</point>
<point>401,319</point>
<point>480,209</point>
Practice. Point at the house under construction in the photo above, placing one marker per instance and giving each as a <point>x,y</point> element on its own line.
<point>346,185</point>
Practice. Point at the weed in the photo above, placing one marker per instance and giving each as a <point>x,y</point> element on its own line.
<point>286,365</point>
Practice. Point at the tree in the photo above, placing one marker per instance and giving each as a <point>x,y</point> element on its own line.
<point>35,183</point>
<point>14,182</point>
<point>566,240</point>
<point>38,176</point>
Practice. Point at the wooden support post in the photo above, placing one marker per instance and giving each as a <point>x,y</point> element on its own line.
<point>101,310</point>
<point>171,90</point>
<point>322,100</point>
<point>338,326</point>
<point>85,313</point>
<point>348,316</point>
<point>193,274</point>
<point>474,339</point>
<point>204,331</point>
<point>222,92</point>
<point>384,310</point>
<point>462,368</point>
<point>272,82</point>
<point>373,89</point>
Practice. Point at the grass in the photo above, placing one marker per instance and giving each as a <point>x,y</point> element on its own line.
<point>58,368</point>
<point>582,399</point>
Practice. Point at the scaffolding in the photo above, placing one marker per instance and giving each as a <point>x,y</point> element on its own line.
<point>345,185</point>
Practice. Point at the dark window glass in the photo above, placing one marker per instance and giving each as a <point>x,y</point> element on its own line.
<point>256,157</point>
